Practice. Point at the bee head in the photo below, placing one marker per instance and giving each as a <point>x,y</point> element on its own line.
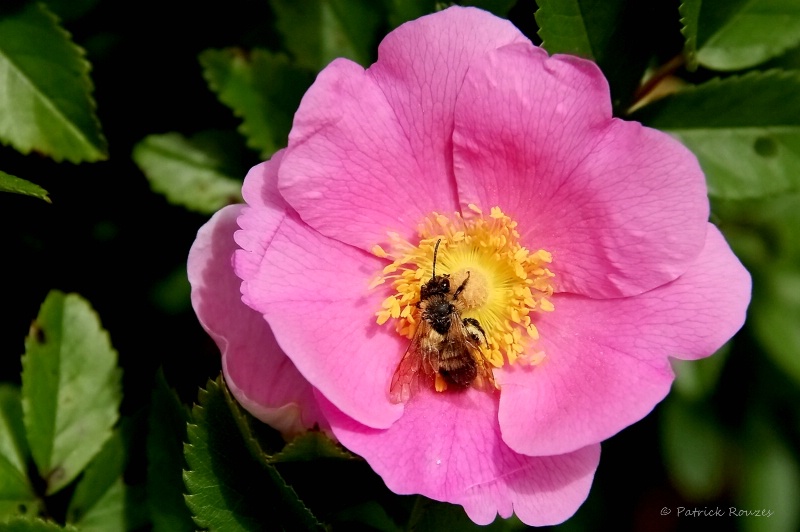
<point>439,284</point>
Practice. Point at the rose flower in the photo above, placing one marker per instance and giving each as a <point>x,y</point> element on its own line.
<point>465,270</point>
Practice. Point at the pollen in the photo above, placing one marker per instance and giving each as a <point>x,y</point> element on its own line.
<point>507,284</point>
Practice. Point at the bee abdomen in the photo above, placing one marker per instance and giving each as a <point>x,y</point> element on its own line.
<point>460,377</point>
<point>458,368</point>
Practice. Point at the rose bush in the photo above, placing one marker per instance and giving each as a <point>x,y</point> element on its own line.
<point>585,240</point>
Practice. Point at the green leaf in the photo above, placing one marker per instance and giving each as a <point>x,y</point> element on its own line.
<point>312,445</point>
<point>16,493</point>
<point>695,449</point>
<point>770,480</point>
<point>611,33</point>
<point>371,514</point>
<point>431,516</point>
<point>102,501</point>
<point>10,183</point>
<point>46,103</point>
<point>228,488</point>
<point>738,34</point>
<point>165,437</point>
<point>690,15</point>
<point>775,315</point>
<point>172,293</point>
<point>762,232</point>
<point>745,131</point>
<point>498,7</point>
<point>70,388</point>
<point>187,172</point>
<point>261,440</point>
<point>108,512</point>
<point>696,379</point>
<point>788,61</point>
<point>400,11</point>
<point>563,29</point>
<point>262,88</point>
<point>34,525</point>
<point>13,447</point>
<point>318,31</point>
<point>71,9</point>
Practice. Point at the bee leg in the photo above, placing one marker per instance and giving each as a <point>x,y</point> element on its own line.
<point>475,331</point>
<point>461,288</point>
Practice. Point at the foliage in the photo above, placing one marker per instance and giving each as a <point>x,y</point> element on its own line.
<point>134,122</point>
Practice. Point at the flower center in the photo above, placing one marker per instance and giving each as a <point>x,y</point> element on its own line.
<point>493,280</point>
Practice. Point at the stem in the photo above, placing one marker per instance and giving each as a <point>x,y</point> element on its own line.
<point>665,70</point>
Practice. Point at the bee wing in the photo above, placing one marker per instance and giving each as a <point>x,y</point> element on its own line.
<point>462,333</point>
<point>414,367</point>
<point>473,336</point>
<point>485,379</point>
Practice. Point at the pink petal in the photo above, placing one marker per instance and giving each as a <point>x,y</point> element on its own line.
<point>719,306</point>
<point>259,220</point>
<point>621,207</point>
<point>370,151</point>
<point>607,361</point>
<point>314,292</point>
<point>256,371</point>
<point>448,447</point>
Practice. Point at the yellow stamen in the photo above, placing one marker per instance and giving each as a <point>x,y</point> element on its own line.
<point>440,384</point>
<point>508,283</point>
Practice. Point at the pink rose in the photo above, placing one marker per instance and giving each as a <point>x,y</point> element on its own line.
<point>578,243</point>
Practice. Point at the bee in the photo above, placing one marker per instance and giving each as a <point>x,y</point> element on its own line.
<point>445,345</point>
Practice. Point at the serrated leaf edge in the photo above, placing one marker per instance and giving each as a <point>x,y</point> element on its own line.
<point>541,29</point>
<point>758,76</point>
<point>159,186</point>
<point>115,375</point>
<point>85,80</point>
<point>268,469</point>
<point>690,42</point>
<point>243,128</point>
<point>344,454</point>
<point>37,192</point>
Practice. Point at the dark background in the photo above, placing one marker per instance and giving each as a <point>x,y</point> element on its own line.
<point>122,247</point>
